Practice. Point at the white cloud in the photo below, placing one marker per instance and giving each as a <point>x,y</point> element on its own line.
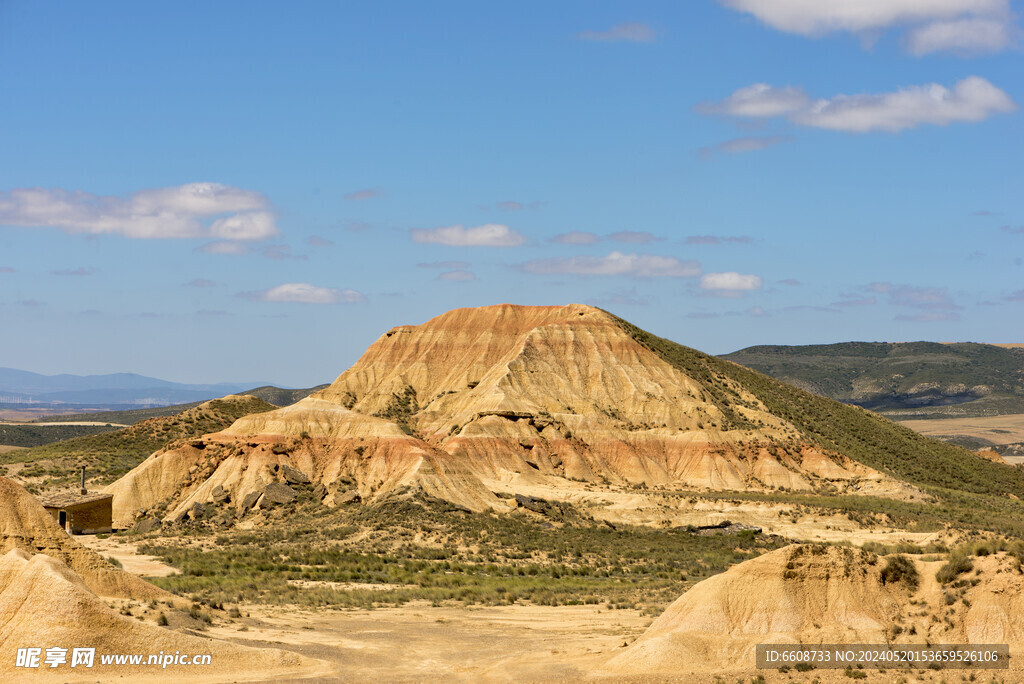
<point>305,293</point>
<point>575,237</point>
<point>628,32</point>
<point>758,100</point>
<point>961,35</point>
<point>196,210</point>
<point>814,17</point>
<point>254,225</point>
<point>730,281</point>
<point>457,276</point>
<point>617,264</point>
<point>489,235</point>
<point>971,99</point>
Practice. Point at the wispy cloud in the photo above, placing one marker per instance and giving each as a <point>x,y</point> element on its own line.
<point>510,206</point>
<point>1017,296</point>
<point>628,297</point>
<point>718,239</point>
<point>962,26</point>
<point>281,253</point>
<point>917,297</point>
<point>223,247</point>
<point>853,300</point>
<point>459,276</point>
<point>456,265</point>
<point>740,145</point>
<point>80,271</point>
<point>1017,230</point>
<point>627,32</point>
<point>31,303</point>
<point>365,194</point>
<point>6,269</point>
<point>972,99</point>
<point>304,293</point>
<point>196,210</point>
<point>929,316</point>
<point>616,264</point>
<point>575,237</point>
<point>489,235</point>
<point>985,212</point>
<point>317,241</point>
<point>634,237</point>
<point>790,282</point>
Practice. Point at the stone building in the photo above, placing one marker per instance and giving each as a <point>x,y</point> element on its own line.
<point>81,512</point>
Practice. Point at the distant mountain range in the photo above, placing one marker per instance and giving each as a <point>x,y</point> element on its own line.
<point>18,387</point>
<point>901,379</point>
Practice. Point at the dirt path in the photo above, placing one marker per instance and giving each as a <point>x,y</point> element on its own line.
<point>127,554</point>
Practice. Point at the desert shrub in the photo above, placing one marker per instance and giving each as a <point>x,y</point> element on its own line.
<point>957,565</point>
<point>900,569</point>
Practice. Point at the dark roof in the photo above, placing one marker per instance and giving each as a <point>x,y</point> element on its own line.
<point>76,498</point>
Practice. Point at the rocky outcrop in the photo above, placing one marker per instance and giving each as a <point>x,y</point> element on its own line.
<point>478,400</point>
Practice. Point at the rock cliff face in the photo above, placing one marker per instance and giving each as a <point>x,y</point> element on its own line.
<point>478,400</point>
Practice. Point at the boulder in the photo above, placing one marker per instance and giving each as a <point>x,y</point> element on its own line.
<point>351,496</point>
<point>294,475</point>
<point>249,501</point>
<point>277,493</point>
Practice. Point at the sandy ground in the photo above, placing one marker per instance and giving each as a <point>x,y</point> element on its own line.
<point>127,554</point>
<point>4,448</point>
<point>996,429</point>
<point>419,642</point>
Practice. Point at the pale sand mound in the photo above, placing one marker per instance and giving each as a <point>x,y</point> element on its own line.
<point>25,525</point>
<point>478,397</point>
<point>45,604</point>
<point>798,594</point>
<point>819,595</point>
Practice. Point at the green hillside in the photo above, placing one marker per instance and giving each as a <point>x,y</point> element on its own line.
<point>109,455</point>
<point>904,379</point>
<point>268,393</point>
<point>36,435</point>
<point>969,490</point>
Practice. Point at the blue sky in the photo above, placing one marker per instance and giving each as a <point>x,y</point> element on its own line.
<point>242,191</point>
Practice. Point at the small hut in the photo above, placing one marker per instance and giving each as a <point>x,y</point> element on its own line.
<point>82,511</point>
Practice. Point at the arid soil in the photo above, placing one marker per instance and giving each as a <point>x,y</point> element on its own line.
<point>1006,429</point>
<point>418,642</point>
<point>127,554</point>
